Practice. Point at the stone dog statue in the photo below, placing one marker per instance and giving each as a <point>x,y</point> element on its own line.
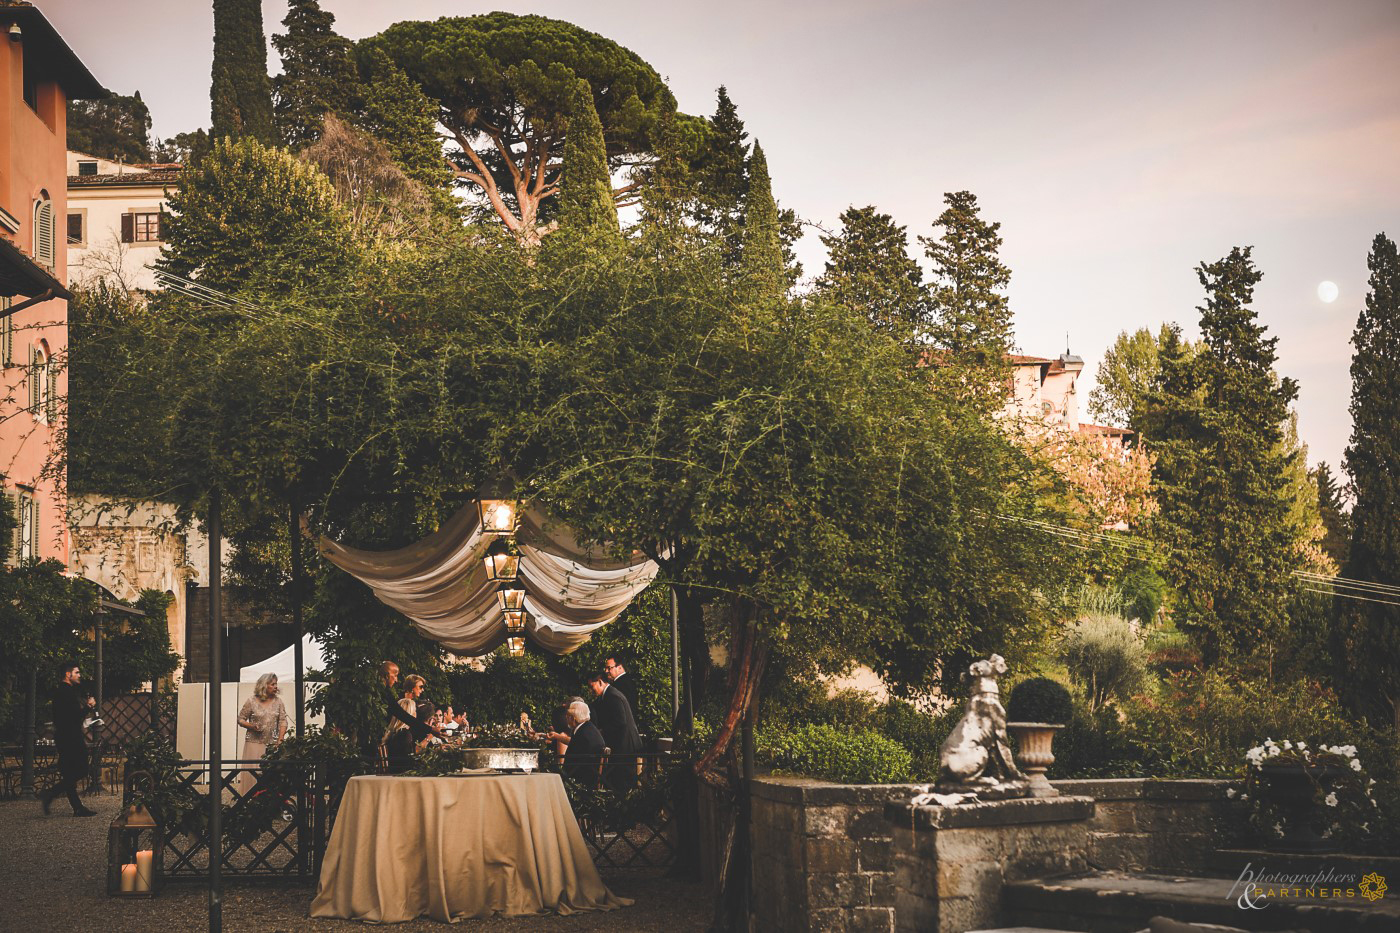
<point>975,760</point>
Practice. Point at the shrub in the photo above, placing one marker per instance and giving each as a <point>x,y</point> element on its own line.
<point>1105,657</point>
<point>1094,745</point>
<point>1040,699</point>
<point>833,754</point>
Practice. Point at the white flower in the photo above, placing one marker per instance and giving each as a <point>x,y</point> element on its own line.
<point>1255,755</point>
<point>1273,751</point>
<point>1287,745</point>
<point>1278,828</point>
<point>1355,764</point>
<point>1330,800</point>
<point>1303,746</point>
<point>1230,792</point>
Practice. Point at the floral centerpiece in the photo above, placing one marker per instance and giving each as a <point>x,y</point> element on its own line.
<point>1307,799</point>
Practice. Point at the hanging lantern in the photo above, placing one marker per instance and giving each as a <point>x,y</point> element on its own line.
<point>515,620</point>
<point>502,566</point>
<point>135,849</point>
<point>498,516</point>
<point>510,597</point>
<point>516,647</point>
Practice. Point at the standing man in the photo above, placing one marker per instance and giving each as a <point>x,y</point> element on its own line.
<point>622,680</point>
<point>68,707</point>
<point>613,715</point>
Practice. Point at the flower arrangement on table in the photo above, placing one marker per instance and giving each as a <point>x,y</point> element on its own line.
<point>1330,791</point>
<point>508,735</point>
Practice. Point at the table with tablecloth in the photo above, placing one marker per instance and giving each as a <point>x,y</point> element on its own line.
<point>457,846</point>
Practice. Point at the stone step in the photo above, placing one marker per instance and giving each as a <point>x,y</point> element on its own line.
<point>1230,863</point>
<point>1120,902</point>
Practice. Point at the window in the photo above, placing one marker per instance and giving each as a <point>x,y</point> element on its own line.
<point>26,545</point>
<point>43,378</point>
<point>44,232</point>
<point>87,168</point>
<point>141,228</point>
<point>76,233</point>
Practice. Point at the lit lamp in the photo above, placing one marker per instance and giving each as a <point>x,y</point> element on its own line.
<point>498,516</point>
<point>516,647</point>
<point>135,850</point>
<point>515,620</point>
<point>502,567</point>
<point>512,597</point>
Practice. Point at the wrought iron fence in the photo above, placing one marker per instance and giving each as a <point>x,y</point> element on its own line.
<point>276,819</point>
<point>627,816</point>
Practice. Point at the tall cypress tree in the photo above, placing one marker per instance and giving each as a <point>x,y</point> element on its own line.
<point>1368,633</point>
<point>972,320</point>
<point>722,179</point>
<point>585,192</point>
<point>1336,521</point>
<point>1222,477</point>
<point>240,93</point>
<point>762,273</point>
<point>868,268</point>
<point>318,73</point>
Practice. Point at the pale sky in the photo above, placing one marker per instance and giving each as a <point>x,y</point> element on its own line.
<point>1119,144</point>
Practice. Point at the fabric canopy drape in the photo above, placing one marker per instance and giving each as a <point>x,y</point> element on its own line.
<point>440,583</point>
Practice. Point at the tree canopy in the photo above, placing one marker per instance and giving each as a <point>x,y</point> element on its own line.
<point>869,269</point>
<point>505,86</point>
<point>115,127</point>
<point>240,92</point>
<point>318,73</point>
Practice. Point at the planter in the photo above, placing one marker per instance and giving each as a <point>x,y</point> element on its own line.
<point>1033,753</point>
<point>1298,791</point>
<point>502,759</point>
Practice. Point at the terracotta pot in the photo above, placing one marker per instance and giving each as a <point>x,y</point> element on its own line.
<point>1297,790</point>
<point>1034,741</point>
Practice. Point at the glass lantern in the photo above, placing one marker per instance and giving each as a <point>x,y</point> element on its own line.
<point>498,516</point>
<point>515,620</point>
<point>516,646</point>
<point>512,597</point>
<point>502,567</point>
<point>135,854</point>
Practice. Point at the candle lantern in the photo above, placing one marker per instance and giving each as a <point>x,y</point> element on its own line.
<point>502,567</point>
<point>516,647</point>
<point>515,620</point>
<point>135,849</point>
<point>509,598</point>
<point>498,516</point>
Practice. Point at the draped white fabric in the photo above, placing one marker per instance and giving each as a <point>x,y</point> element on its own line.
<point>441,584</point>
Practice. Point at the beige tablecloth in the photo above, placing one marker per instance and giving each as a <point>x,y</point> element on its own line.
<point>453,847</point>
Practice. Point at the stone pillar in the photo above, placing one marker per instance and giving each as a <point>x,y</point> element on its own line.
<point>950,863</point>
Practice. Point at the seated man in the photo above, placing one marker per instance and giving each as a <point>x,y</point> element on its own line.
<point>586,746</point>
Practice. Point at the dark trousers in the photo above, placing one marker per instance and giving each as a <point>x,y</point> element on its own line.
<point>72,768</point>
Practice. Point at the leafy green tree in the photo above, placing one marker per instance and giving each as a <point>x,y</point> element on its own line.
<point>762,271</point>
<point>182,147</point>
<point>318,73</point>
<point>247,216</point>
<point>115,127</point>
<point>396,112</point>
<point>1130,368</point>
<point>505,85</point>
<point>868,269</point>
<point>1336,517</point>
<point>240,93</point>
<point>585,188</point>
<point>1222,473</point>
<point>972,320</point>
<point>1368,633</point>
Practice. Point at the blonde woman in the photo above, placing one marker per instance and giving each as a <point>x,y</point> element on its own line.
<point>265,718</point>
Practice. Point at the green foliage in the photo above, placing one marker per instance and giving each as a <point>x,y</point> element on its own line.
<point>250,218</point>
<point>240,93</point>
<point>47,618</point>
<point>1105,658</point>
<point>1096,744</point>
<point>1143,591</point>
<point>834,754</point>
<point>153,768</point>
<point>137,649</point>
<point>1222,472</point>
<point>1039,699</point>
<point>1130,368</point>
<point>761,268</point>
<point>1343,805</point>
<point>868,269</point>
<point>182,147</point>
<point>318,73</point>
<point>116,127</point>
<point>396,112</point>
<point>505,84</point>
<point>585,189</point>
<point>967,291</point>
<point>1334,514</point>
<point>1367,636</point>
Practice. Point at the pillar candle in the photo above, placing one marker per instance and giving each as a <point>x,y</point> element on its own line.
<point>128,878</point>
<point>144,862</point>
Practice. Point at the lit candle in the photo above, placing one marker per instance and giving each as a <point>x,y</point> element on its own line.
<point>145,860</point>
<point>128,878</point>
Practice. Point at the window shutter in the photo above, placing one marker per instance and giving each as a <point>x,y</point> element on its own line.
<point>128,228</point>
<point>34,528</point>
<point>51,372</point>
<point>7,335</point>
<point>75,228</point>
<point>43,233</point>
<point>12,503</point>
<point>35,380</point>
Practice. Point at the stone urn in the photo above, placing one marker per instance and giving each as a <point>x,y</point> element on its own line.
<point>1298,790</point>
<point>1033,753</point>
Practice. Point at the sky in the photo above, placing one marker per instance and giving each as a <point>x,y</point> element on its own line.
<point>1119,144</point>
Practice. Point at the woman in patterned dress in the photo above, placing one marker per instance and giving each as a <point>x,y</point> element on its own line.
<point>265,718</point>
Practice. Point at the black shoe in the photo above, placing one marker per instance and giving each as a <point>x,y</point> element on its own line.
<point>84,812</point>
<point>47,801</point>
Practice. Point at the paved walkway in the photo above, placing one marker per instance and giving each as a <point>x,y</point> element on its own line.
<point>53,877</point>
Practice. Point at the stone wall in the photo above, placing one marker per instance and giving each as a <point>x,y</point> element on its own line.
<point>821,855</point>
<point>950,863</point>
<point>1152,824</point>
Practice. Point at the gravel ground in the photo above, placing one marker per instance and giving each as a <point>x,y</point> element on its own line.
<point>52,877</point>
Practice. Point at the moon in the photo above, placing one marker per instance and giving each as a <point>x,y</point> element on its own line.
<point>1327,291</point>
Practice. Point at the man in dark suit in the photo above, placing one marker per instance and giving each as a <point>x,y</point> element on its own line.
<point>68,707</point>
<point>586,746</point>
<point>613,714</point>
<point>623,681</point>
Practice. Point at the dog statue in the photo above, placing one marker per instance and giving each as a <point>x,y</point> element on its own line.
<point>975,760</point>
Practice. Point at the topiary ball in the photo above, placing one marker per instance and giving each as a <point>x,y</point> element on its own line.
<point>1040,699</point>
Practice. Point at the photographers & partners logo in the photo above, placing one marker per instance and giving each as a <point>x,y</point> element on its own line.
<point>1256,888</point>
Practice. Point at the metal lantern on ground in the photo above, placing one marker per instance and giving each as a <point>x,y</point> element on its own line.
<point>135,849</point>
<point>516,647</point>
<point>498,516</point>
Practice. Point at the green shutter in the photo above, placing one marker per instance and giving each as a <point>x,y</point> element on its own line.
<point>34,380</point>
<point>34,528</point>
<point>51,373</point>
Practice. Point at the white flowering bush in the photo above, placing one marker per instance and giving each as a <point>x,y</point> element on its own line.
<point>1344,808</point>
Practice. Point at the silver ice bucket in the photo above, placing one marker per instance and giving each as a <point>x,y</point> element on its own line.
<point>502,759</point>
